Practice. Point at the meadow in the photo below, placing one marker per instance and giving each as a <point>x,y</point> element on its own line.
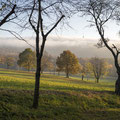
<point>60,98</point>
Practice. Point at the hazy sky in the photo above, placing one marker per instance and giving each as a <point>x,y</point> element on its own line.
<point>80,29</point>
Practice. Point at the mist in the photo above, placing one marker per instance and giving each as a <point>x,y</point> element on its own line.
<point>81,47</point>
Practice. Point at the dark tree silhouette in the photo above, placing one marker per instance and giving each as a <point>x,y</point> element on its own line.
<point>42,11</point>
<point>102,11</point>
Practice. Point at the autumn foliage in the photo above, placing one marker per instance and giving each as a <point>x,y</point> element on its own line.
<point>68,63</point>
<point>27,59</point>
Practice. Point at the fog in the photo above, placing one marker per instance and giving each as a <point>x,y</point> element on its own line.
<point>81,47</point>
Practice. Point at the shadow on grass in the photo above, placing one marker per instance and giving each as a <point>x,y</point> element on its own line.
<point>54,105</point>
<point>29,86</point>
<point>16,85</point>
<point>73,89</point>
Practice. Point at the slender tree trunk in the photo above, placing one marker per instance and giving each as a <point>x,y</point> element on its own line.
<point>67,75</point>
<point>38,71</point>
<point>41,71</point>
<point>37,74</point>
<point>117,85</point>
<point>7,66</point>
<point>28,67</point>
<point>82,77</point>
<point>37,83</point>
<point>97,80</point>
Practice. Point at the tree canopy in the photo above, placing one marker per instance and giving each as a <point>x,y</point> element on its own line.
<point>46,63</point>
<point>27,59</point>
<point>68,63</point>
<point>98,67</point>
<point>9,61</point>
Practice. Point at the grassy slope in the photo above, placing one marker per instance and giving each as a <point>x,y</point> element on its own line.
<point>60,98</point>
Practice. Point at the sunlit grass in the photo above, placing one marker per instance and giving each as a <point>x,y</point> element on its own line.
<point>20,80</point>
<point>60,98</point>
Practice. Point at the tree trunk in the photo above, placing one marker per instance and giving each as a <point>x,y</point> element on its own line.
<point>38,70</point>
<point>97,80</point>
<point>37,74</point>
<point>117,86</point>
<point>67,75</point>
<point>7,66</point>
<point>37,83</point>
<point>28,67</point>
<point>39,28</point>
<point>82,77</point>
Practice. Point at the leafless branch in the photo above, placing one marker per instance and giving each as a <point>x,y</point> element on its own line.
<point>7,16</point>
<point>54,25</point>
<point>31,17</point>
<point>16,35</point>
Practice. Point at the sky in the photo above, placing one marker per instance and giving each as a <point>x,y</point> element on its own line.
<point>80,33</point>
<point>79,28</point>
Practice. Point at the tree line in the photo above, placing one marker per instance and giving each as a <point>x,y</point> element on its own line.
<point>66,63</point>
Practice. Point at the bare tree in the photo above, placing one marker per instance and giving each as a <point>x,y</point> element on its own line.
<point>44,17</point>
<point>98,67</point>
<point>46,63</point>
<point>102,11</point>
<point>84,70</point>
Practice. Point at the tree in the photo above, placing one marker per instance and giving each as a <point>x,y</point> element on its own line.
<point>83,70</point>
<point>9,61</point>
<point>46,62</point>
<point>2,59</point>
<point>68,62</point>
<point>98,67</point>
<point>44,17</point>
<point>102,11</point>
<point>27,59</point>
<point>7,9</point>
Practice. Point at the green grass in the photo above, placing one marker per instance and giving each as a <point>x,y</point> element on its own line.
<point>60,98</point>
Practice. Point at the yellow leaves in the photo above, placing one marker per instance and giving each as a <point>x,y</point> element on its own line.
<point>68,62</point>
<point>98,67</point>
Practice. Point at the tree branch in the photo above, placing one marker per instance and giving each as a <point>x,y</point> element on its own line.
<point>16,35</point>
<point>40,20</point>
<point>8,15</point>
<point>54,26</point>
<point>31,17</point>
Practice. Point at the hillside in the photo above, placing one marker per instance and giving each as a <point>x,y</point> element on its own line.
<point>60,98</point>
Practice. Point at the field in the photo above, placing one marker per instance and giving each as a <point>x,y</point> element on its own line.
<point>60,98</point>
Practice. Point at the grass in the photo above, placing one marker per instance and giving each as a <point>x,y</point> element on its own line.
<point>60,98</point>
